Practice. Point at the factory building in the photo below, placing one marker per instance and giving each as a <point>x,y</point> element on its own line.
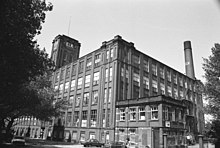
<point>117,92</point>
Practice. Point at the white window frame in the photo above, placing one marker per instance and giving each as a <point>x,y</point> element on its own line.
<point>154,109</point>
<point>61,88</point>
<point>95,97</point>
<point>154,86</point>
<point>162,88</point>
<point>79,83</point>
<point>122,114</point>
<point>110,74</point>
<point>169,90</point>
<point>106,75</point>
<point>146,82</point>
<point>141,110</point>
<point>87,81</point>
<point>162,75</point>
<point>66,86</point>
<point>96,78</point>
<point>136,78</point>
<point>132,114</point>
<point>109,94</point>
<point>72,85</point>
<point>154,69</point>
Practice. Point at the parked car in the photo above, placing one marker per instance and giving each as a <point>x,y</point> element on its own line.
<point>117,144</point>
<point>92,142</point>
<point>18,140</point>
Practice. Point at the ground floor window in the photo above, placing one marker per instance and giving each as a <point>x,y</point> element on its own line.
<point>91,135</point>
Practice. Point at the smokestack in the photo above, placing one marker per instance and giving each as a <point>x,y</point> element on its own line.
<point>189,67</point>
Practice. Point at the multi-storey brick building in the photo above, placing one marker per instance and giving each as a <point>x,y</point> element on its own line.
<point>117,92</point>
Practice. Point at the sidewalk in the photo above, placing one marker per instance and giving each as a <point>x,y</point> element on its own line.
<point>209,145</point>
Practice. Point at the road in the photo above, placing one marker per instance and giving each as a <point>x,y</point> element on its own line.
<point>205,146</point>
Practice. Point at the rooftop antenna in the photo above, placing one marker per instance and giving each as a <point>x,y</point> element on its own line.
<point>69,26</point>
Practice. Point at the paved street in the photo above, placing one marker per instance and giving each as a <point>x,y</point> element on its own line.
<point>205,146</point>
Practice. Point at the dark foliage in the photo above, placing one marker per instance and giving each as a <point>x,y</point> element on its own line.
<point>25,70</point>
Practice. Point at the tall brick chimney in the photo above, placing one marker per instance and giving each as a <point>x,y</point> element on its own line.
<point>189,67</point>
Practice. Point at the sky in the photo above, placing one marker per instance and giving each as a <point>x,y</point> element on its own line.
<point>157,28</point>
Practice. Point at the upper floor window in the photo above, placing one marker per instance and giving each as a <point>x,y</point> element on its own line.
<point>154,86</point>
<point>55,87</point>
<point>74,70</point>
<point>78,97</point>
<point>181,94</point>
<point>68,44</point>
<point>84,118</point>
<point>85,99</point>
<point>126,74</point>
<point>162,72</point>
<point>110,74</point>
<point>141,111</point>
<point>93,118</point>
<point>136,79</point>
<point>95,97</point>
<point>175,78</point>
<point>107,54</point>
<point>111,52</point>
<point>62,74</point>
<point>175,93</point>
<point>154,112</point>
<point>132,113</point>
<point>169,75</point>
<point>87,81</point>
<point>105,95</point>
<point>97,59</point>
<point>146,82</point>
<point>70,102</point>
<point>66,86</point>
<point>88,63</point>
<point>162,88</point>
<point>109,94</point>
<point>122,114</point>
<point>72,85</point>
<point>135,59</point>
<point>67,72</point>
<point>181,81</point>
<point>76,119</point>
<point>79,83</point>
<point>69,118</point>
<point>81,65</point>
<point>169,91</point>
<point>96,78</point>
<point>61,88</point>
<point>154,68</point>
<point>146,65</point>
<point>103,118</point>
<point>106,75</point>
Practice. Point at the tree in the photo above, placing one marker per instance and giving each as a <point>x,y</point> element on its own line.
<point>212,90</point>
<point>24,68</point>
<point>212,84</point>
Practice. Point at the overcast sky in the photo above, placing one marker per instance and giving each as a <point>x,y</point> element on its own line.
<point>157,28</point>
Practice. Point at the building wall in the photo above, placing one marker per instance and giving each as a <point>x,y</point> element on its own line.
<point>123,60</point>
<point>64,50</point>
<point>95,84</point>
